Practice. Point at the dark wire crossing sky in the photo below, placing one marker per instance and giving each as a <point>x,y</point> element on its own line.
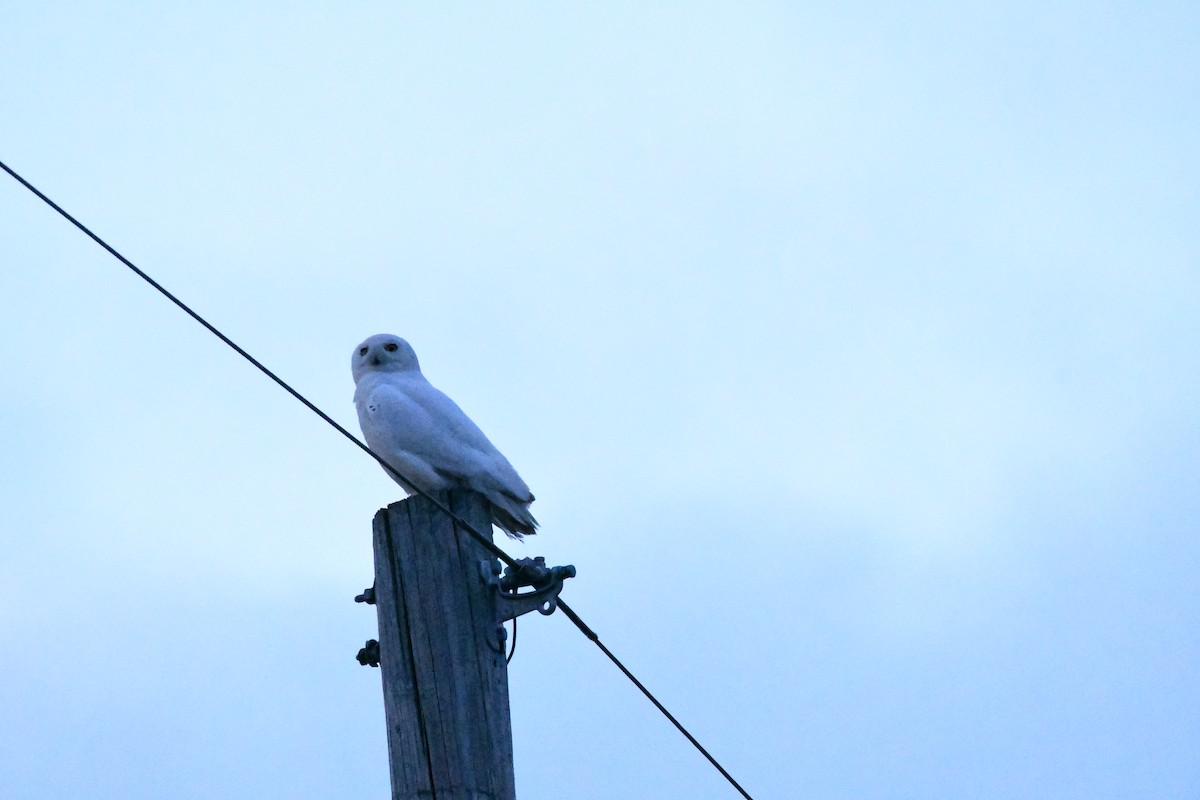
<point>848,352</point>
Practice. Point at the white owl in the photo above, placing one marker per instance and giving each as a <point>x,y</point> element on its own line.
<point>427,437</point>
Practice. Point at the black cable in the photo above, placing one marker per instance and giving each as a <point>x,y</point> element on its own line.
<point>512,650</point>
<point>591,634</point>
<point>471,530</point>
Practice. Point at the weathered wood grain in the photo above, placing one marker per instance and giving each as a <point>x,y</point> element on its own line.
<point>445,683</point>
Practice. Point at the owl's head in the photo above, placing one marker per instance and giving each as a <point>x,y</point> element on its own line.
<point>383,353</point>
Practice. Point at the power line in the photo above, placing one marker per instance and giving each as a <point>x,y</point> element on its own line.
<point>589,633</point>
<point>483,540</point>
<point>471,530</point>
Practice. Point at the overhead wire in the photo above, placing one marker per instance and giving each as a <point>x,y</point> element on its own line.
<point>470,529</point>
<point>483,540</point>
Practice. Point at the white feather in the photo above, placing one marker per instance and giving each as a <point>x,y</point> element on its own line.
<point>425,436</point>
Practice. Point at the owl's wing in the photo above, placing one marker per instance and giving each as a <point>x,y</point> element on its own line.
<point>424,434</point>
<point>414,418</point>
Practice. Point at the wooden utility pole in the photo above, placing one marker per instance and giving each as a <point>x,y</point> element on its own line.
<point>441,652</point>
<point>441,603</point>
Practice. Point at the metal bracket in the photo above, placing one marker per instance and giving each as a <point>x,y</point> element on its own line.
<point>369,655</point>
<point>547,583</point>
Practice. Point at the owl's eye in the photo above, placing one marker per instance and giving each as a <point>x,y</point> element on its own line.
<point>362,351</point>
<point>390,347</point>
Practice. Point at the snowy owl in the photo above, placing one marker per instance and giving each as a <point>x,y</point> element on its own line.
<point>427,437</point>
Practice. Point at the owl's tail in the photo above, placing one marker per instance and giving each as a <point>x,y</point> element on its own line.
<point>512,515</point>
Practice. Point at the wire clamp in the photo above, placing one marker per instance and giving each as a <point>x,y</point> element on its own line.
<point>546,583</point>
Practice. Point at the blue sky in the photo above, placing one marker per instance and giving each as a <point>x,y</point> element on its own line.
<point>851,354</point>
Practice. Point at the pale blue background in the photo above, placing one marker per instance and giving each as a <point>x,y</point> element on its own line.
<point>851,350</point>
